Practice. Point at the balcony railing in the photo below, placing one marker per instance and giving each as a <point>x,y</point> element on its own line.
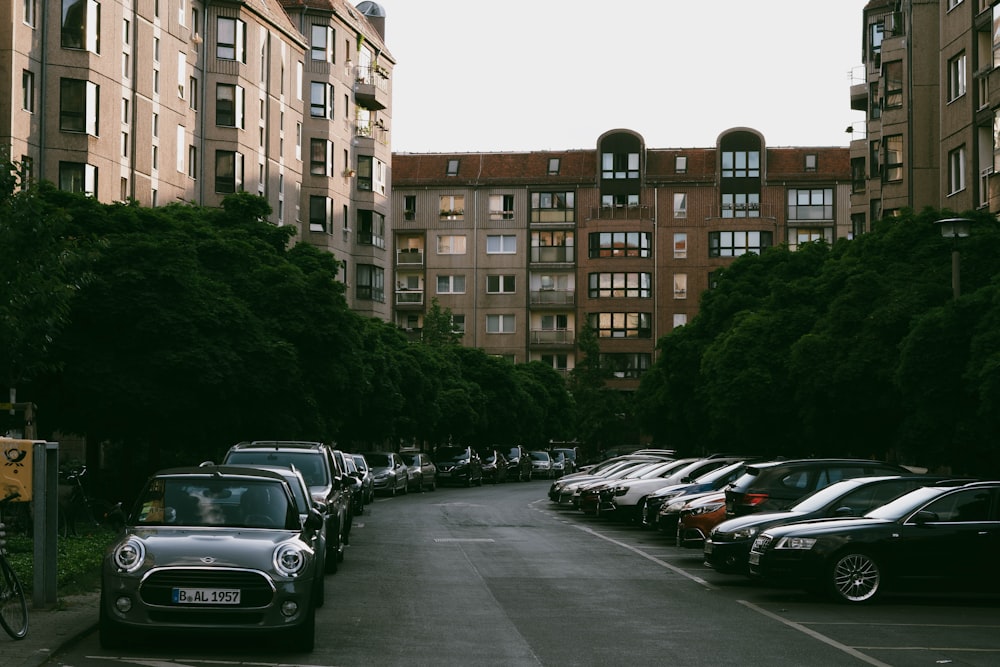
<point>556,254</point>
<point>410,257</point>
<point>552,336</point>
<point>409,297</point>
<point>621,213</point>
<point>374,131</point>
<point>553,297</point>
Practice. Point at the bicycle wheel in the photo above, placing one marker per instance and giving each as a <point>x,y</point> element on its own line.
<point>13,606</point>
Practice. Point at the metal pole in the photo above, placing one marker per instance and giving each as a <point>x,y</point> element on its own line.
<point>956,273</point>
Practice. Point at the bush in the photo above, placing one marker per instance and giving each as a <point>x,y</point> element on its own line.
<point>78,561</point>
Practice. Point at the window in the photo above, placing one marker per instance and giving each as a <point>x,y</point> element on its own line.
<point>956,170</point>
<point>680,245</point>
<point>81,25</point>
<point>620,285</point>
<point>680,164</point>
<point>553,246</point>
<point>322,43</point>
<point>876,32</point>
<point>28,90</point>
<point>452,207</point>
<point>553,206</point>
<point>451,284</point>
<point>499,324</point>
<point>409,207</point>
<point>124,144</point>
<point>734,244</point>
<point>619,165</point>
<point>805,235</point>
<point>893,77</point>
<point>319,101</point>
<point>29,12</point>
<point>193,93</point>
<point>680,286</point>
<point>956,77</point>
<point>500,284</point>
<point>156,125</point>
<point>680,205</point>
<point>458,324</point>
<point>232,40</point>
<point>741,205</point>
<point>741,164</point>
<point>192,162</point>
<point>371,228</point>
<point>320,157</point>
<point>125,117</point>
<point>181,74</point>
<point>228,171</point>
<point>501,207</point>
<point>556,361</point>
<point>953,3</point>
<point>371,174</point>
<point>626,365</point>
<point>622,325</point>
<point>452,169</point>
<point>156,49</point>
<point>810,204</point>
<point>620,244</point>
<point>620,201</point>
<point>501,244</point>
<point>78,177</point>
<point>319,213</point>
<point>553,166</point>
<point>370,283</point>
<point>78,106</point>
<point>680,319</point>
<point>451,244</point>
<point>893,170</point>
<point>811,159</point>
<point>229,105</point>
<point>156,157</point>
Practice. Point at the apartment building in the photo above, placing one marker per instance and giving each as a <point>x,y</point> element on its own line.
<point>158,101</point>
<point>931,113</point>
<point>524,248</point>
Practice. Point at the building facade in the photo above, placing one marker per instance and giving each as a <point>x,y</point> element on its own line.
<point>524,248</point>
<point>158,101</point>
<point>930,92</point>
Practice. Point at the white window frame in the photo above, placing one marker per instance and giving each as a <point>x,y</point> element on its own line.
<point>501,323</point>
<point>504,284</point>
<point>501,244</point>
<point>450,284</point>
<point>451,244</point>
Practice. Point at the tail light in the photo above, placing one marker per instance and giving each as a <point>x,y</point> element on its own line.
<point>754,499</point>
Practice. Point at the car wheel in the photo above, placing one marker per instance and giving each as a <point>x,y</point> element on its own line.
<point>302,638</point>
<point>855,577</point>
<point>319,590</point>
<point>332,556</point>
<point>110,631</point>
<point>406,486</point>
<point>420,485</point>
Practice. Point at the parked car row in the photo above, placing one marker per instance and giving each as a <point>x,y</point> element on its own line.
<point>845,527</point>
<point>242,545</point>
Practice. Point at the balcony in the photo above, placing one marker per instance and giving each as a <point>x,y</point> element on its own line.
<point>409,298</point>
<point>621,213</point>
<point>371,89</point>
<point>372,132</point>
<point>553,297</point>
<point>556,254</point>
<point>556,337</point>
<point>410,257</point>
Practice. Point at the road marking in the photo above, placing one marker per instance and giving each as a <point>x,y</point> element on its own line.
<point>464,539</point>
<point>815,635</point>
<point>155,662</point>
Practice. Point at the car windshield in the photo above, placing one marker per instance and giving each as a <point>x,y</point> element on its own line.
<point>309,463</point>
<point>540,456</point>
<point>817,500</point>
<point>450,453</point>
<point>488,457</point>
<point>360,462</point>
<point>232,502</point>
<point>906,503</point>
<point>721,475</point>
<point>378,460</point>
<point>409,459</point>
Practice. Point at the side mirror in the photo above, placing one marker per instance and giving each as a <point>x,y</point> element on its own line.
<point>843,511</point>
<point>314,520</point>
<point>924,516</point>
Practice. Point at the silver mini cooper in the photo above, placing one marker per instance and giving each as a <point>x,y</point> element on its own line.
<point>214,548</point>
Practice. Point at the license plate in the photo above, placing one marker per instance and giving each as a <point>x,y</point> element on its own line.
<point>206,595</point>
<point>754,558</point>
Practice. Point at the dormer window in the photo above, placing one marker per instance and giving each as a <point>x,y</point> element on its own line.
<point>680,164</point>
<point>553,166</point>
<point>810,162</point>
<point>452,168</point>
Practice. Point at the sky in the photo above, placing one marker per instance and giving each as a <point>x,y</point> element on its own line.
<point>523,75</point>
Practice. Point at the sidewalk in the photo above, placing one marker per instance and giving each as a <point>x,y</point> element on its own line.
<point>50,629</point>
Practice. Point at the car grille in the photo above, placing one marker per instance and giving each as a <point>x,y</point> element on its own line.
<point>256,589</point>
<point>761,543</point>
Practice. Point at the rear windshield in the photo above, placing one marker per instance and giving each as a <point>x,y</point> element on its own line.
<point>377,460</point>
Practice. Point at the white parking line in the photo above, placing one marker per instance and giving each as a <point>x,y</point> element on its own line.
<point>815,635</point>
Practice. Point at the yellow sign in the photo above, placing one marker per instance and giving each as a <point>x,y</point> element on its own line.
<point>15,467</point>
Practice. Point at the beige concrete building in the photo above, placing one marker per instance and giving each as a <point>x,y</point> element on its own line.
<point>524,248</point>
<point>158,101</point>
<point>931,93</point>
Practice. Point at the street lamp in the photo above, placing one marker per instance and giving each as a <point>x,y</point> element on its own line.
<point>955,228</point>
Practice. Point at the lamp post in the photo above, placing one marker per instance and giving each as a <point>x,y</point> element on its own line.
<point>955,228</point>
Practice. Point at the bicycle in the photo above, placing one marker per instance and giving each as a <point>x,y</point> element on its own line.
<point>76,505</point>
<point>13,605</point>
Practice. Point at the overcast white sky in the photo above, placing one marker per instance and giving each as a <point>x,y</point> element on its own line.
<point>518,75</point>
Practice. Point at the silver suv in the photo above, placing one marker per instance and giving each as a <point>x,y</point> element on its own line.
<point>322,473</point>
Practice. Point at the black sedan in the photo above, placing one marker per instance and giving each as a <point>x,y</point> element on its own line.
<point>728,545</point>
<point>934,536</point>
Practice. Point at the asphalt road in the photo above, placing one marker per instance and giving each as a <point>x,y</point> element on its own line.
<point>500,576</point>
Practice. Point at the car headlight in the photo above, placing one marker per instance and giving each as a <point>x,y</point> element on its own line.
<point>382,475</point>
<point>129,555</point>
<point>289,559</point>
<point>745,533</point>
<point>674,506</point>
<point>621,490</point>
<point>803,543</point>
<point>705,509</point>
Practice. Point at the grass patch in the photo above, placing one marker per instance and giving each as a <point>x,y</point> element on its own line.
<point>78,561</point>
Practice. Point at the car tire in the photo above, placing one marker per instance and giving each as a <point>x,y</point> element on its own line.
<point>319,590</point>
<point>420,484</point>
<point>110,632</point>
<point>332,555</point>
<point>854,577</point>
<point>302,638</point>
